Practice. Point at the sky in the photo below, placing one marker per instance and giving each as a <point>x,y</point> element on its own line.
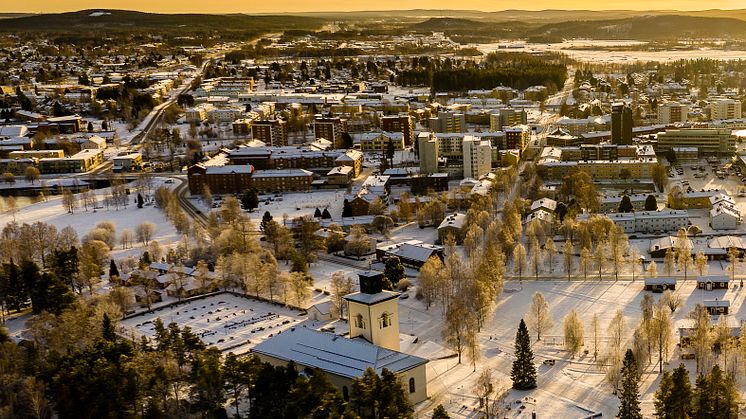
<point>256,6</point>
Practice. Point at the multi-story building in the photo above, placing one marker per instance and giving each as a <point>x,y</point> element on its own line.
<point>265,158</point>
<point>621,123</point>
<point>709,141</point>
<point>672,112</point>
<point>197,114</point>
<point>224,115</point>
<point>601,163</point>
<point>220,179</point>
<point>477,157</point>
<point>272,132</point>
<point>379,141</point>
<point>448,122</point>
<point>282,180</point>
<point>131,162</point>
<point>517,137</point>
<point>427,145</point>
<point>80,162</point>
<point>725,109</point>
<point>648,221</point>
<point>399,123</point>
<point>506,118</point>
<point>330,128</point>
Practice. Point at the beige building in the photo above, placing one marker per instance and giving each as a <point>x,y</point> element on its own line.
<point>477,157</point>
<point>427,146</point>
<point>709,141</point>
<point>725,109</point>
<point>672,112</point>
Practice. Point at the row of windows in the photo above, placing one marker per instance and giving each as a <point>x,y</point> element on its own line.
<point>384,321</point>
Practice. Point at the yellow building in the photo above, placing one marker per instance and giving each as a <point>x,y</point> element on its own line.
<point>78,163</point>
<point>379,141</point>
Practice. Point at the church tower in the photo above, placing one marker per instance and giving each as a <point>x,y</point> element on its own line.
<point>374,312</point>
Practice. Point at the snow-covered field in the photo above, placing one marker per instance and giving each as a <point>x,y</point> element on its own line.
<point>573,387</point>
<point>225,321</point>
<point>52,212</point>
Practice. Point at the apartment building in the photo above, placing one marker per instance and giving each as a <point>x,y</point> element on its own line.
<point>648,221</point>
<point>272,132</point>
<point>282,180</point>
<point>399,123</point>
<point>672,112</point>
<point>621,123</point>
<point>427,145</point>
<point>725,109</point>
<point>605,162</point>
<point>507,117</point>
<point>80,162</point>
<point>379,141</point>
<point>448,122</point>
<point>517,137</point>
<point>330,128</point>
<point>477,157</point>
<point>228,179</point>
<point>709,141</point>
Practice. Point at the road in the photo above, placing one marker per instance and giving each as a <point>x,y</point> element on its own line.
<point>193,212</point>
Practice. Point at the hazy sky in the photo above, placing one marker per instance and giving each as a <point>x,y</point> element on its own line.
<point>257,6</point>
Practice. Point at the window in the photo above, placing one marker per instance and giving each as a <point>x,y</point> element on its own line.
<point>411,385</point>
<point>384,320</point>
<point>359,322</point>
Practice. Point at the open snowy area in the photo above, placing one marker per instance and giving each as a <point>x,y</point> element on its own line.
<point>226,321</point>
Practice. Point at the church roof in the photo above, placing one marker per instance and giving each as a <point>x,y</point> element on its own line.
<point>334,354</point>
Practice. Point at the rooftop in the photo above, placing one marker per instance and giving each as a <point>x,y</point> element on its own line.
<point>334,354</point>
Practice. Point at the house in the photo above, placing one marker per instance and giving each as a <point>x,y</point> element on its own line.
<point>720,246</point>
<point>660,284</point>
<point>546,204</point>
<point>723,217</point>
<point>709,283</point>
<point>717,307</point>
<point>321,311</point>
<point>340,176</point>
<point>659,247</point>
<point>452,225</point>
<point>412,253</point>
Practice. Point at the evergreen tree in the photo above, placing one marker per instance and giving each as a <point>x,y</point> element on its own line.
<point>440,413</point>
<point>523,372</point>
<point>716,396</point>
<point>317,213</point>
<point>346,209</point>
<point>390,152</point>
<point>625,205</point>
<point>629,396</point>
<point>140,200</point>
<point>673,399</point>
<point>326,215</point>
<point>394,270</point>
<point>374,396</point>
<point>266,219</point>
<point>107,329</point>
<point>250,199</point>
<point>113,270</point>
<point>651,203</point>
<point>15,290</point>
<point>64,264</point>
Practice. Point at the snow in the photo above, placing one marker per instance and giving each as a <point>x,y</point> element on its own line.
<point>51,212</point>
<point>226,321</point>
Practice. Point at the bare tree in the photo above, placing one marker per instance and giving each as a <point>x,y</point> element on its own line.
<point>671,300</point>
<point>600,257</point>
<point>12,205</point>
<point>537,257</point>
<point>573,333</point>
<point>551,251</point>
<point>669,262</point>
<point>126,238</point>
<point>430,280</point>
<point>145,232</point>
<point>460,329</point>
<point>538,318</point>
<point>662,333</point>
<point>358,242</point>
<point>341,286</point>
<point>634,261</point>
<point>69,202</point>
<point>652,271</point>
<point>613,359</point>
<point>490,396</point>
<point>596,330</point>
<point>567,254</point>
<point>702,338</point>
<point>701,262</point>
<point>585,261</point>
<point>519,260</point>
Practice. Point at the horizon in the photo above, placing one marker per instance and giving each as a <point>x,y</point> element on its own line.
<point>220,7</point>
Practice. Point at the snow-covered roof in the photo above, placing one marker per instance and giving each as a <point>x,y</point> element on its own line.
<point>368,299</point>
<point>546,203</point>
<point>230,168</point>
<point>666,280</point>
<point>334,354</point>
<point>713,278</point>
<point>716,303</point>
<point>455,220</point>
<point>411,250</point>
<point>281,173</point>
<point>13,131</point>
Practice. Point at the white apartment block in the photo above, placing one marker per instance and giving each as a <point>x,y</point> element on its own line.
<point>477,157</point>
<point>725,109</point>
<point>709,141</point>
<point>648,221</point>
<point>672,112</point>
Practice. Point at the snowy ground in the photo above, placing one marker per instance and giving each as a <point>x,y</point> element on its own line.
<point>52,212</point>
<point>571,388</point>
<point>225,321</point>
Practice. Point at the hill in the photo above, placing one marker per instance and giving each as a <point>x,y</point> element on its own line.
<point>131,20</point>
<point>647,27</point>
<point>449,24</point>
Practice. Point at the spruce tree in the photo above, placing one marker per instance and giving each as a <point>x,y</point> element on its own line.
<point>346,209</point>
<point>325,215</point>
<point>317,213</point>
<point>674,396</point>
<point>113,270</point>
<point>523,372</point>
<point>140,201</point>
<point>629,396</point>
<point>266,218</point>
<point>440,412</point>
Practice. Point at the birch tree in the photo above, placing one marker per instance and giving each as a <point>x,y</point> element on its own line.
<point>519,260</point>
<point>567,254</point>
<point>551,251</point>
<point>585,262</point>
<point>573,333</point>
<point>538,318</point>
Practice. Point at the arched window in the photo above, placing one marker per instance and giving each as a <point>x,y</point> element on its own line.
<point>384,320</point>
<point>411,385</point>
<point>359,322</point>
<point>345,393</point>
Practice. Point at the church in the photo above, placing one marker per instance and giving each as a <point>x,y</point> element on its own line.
<point>373,342</point>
